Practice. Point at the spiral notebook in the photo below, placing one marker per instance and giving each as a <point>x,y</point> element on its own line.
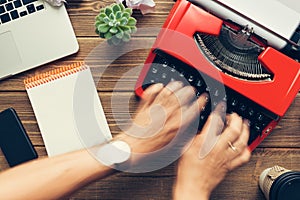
<point>68,109</point>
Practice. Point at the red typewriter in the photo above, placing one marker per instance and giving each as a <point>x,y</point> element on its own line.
<point>236,51</point>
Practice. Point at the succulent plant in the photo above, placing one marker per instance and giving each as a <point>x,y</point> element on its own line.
<point>115,23</point>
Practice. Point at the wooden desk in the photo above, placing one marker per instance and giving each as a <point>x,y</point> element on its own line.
<point>281,148</point>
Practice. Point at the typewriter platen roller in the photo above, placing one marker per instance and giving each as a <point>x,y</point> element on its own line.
<point>228,60</point>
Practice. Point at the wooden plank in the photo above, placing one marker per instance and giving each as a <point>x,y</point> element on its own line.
<point>83,13</point>
<point>148,25</point>
<point>90,7</point>
<point>242,183</point>
<point>117,114</point>
<point>116,61</point>
<point>282,147</point>
<point>159,183</point>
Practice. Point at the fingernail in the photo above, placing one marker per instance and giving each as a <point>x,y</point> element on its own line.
<point>159,85</point>
<point>227,122</point>
<point>180,83</point>
<point>247,122</point>
<point>206,97</point>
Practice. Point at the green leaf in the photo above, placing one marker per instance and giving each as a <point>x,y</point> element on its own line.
<point>120,33</point>
<point>126,14</point>
<point>106,20</point>
<point>101,16</point>
<point>113,30</point>
<point>133,29</point>
<point>122,7</point>
<point>126,37</point>
<point>112,16</point>
<point>115,40</point>
<point>123,21</point>
<point>128,10</point>
<point>101,35</point>
<point>103,28</point>
<point>116,8</point>
<point>126,28</point>
<point>108,11</point>
<point>97,23</point>
<point>131,21</point>
<point>108,35</point>
<point>118,15</point>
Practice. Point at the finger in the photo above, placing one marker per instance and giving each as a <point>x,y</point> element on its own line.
<point>151,92</point>
<point>186,95</point>
<point>212,130</point>
<point>242,142</point>
<point>168,90</point>
<point>243,158</point>
<point>190,116</point>
<point>220,110</point>
<point>193,111</point>
<point>232,131</point>
<point>216,119</point>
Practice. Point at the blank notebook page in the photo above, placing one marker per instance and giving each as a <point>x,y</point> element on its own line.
<point>68,109</point>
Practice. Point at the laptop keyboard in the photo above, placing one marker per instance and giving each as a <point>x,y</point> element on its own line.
<point>14,9</point>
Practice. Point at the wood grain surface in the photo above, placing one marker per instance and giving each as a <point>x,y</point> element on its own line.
<point>117,78</point>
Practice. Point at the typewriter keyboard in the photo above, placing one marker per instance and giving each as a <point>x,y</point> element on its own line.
<point>166,68</point>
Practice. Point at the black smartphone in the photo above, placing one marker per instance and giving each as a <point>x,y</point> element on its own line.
<point>14,141</point>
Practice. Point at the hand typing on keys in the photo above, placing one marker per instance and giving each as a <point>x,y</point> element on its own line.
<point>198,176</point>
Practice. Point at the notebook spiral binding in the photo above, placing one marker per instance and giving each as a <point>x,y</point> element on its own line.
<point>54,74</point>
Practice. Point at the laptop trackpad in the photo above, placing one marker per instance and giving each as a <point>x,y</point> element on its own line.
<point>10,58</point>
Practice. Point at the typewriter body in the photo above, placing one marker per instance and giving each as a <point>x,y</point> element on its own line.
<point>236,55</point>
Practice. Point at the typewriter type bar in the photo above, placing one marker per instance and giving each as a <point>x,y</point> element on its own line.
<point>183,51</point>
<point>281,31</point>
<point>259,16</point>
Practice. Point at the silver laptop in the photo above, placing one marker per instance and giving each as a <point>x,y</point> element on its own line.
<point>33,33</point>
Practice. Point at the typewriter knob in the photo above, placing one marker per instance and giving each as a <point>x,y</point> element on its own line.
<point>207,89</point>
<point>257,128</point>
<point>216,93</point>
<point>234,102</point>
<point>260,117</point>
<point>163,75</point>
<point>251,112</point>
<point>191,78</point>
<point>242,107</point>
<point>173,68</point>
<point>154,70</point>
<point>165,64</point>
<point>199,83</point>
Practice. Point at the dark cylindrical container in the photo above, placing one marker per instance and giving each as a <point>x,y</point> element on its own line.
<point>278,183</point>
